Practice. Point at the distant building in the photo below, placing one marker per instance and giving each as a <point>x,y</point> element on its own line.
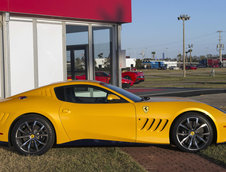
<point>101,63</point>
<point>153,64</point>
<point>170,64</point>
<point>130,62</point>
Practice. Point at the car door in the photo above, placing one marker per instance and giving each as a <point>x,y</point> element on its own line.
<point>86,114</point>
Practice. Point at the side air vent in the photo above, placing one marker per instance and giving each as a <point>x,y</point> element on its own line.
<point>151,124</point>
<point>3,117</point>
<point>46,92</point>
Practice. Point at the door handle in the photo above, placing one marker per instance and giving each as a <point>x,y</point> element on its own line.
<point>66,111</point>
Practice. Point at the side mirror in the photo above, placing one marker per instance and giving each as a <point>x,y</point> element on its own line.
<point>112,97</point>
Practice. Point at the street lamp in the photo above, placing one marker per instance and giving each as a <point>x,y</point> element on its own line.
<point>184,18</point>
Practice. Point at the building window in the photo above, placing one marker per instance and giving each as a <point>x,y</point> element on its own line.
<point>102,49</point>
<point>79,41</point>
<point>77,51</point>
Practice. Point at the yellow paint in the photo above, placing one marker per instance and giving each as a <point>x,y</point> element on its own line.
<point>111,121</point>
<point>192,133</point>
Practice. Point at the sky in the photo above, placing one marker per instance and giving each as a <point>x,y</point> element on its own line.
<point>155,27</point>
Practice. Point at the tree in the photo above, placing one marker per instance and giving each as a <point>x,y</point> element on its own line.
<point>139,64</point>
<point>179,57</point>
<point>100,56</point>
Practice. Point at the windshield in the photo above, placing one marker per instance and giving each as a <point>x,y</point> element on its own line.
<point>125,93</point>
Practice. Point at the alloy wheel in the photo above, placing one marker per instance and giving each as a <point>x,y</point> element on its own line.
<point>193,133</point>
<point>31,136</point>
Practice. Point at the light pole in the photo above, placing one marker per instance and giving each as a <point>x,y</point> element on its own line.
<point>220,47</point>
<point>184,18</point>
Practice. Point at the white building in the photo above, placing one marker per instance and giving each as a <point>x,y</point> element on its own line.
<point>170,64</point>
<point>130,62</point>
<point>47,41</point>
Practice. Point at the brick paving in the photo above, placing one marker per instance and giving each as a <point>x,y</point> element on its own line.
<point>166,159</point>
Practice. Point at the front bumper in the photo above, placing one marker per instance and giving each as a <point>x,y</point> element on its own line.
<point>139,79</point>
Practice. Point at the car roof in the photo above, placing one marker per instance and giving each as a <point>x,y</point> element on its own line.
<point>62,83</point>
<point>57,84</point>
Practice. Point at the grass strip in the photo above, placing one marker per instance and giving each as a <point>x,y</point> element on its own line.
<point>216,154</point>
<point>87,159</point>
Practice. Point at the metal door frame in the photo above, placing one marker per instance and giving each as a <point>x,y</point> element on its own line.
<point>2,48</point>
<point>72,48</point>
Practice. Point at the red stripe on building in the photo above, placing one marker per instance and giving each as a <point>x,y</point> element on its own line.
<point>101,10</point>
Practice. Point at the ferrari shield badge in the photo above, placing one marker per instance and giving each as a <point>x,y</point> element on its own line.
<point>145,109</point>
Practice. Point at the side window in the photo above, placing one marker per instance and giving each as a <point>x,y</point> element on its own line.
<point>89,92</point>
<point>84,94</point>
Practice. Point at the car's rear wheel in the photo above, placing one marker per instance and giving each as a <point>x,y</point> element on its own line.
<point>192,132</point>
<point>32,135</point>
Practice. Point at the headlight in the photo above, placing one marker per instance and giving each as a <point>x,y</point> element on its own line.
<point>219,109</point>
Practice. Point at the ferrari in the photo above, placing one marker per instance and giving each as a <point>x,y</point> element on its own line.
<point>33,121</point>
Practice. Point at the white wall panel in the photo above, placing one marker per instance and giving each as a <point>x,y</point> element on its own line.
<point>1,59</point>
<point>50,55</point>
<point>21,56</point>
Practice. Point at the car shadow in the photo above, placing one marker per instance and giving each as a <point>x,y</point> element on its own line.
<point>5,146</point>
<point>104,143</point>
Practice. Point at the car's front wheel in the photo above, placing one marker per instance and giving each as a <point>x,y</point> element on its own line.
<point>32,135</point>
<point>126,85</point>
<point>192,132</point>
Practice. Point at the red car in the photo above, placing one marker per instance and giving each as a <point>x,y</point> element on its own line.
<point>135,76</point>
<point>191,68</point>
<point>105,77</point>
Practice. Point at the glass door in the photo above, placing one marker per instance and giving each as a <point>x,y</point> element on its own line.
<point>102,51</point>
<point>77,52</point>
<point>77,62</point>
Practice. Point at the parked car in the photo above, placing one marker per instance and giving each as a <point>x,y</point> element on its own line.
<point>33,121</point>
<point>135,76</point>
<point>162,67</point>
<point>201,66</point>
<point>174,68</point>
<point>190,67</point>
<point>105,77</point>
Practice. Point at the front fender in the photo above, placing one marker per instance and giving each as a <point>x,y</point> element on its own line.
<point>10,112</point>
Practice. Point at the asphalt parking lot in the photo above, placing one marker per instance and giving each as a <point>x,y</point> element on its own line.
<point>177,92</point>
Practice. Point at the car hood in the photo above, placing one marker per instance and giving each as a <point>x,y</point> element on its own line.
<point>169,99</point>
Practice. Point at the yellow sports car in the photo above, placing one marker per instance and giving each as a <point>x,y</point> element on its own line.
<point>33,121</point>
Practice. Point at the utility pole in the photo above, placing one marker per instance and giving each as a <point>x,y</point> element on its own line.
<point>184,18</point>
<point>220,46</point>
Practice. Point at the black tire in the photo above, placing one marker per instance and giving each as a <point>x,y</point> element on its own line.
<point>32,135</point>
<point>126,85</point>
<point>192,132</point>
